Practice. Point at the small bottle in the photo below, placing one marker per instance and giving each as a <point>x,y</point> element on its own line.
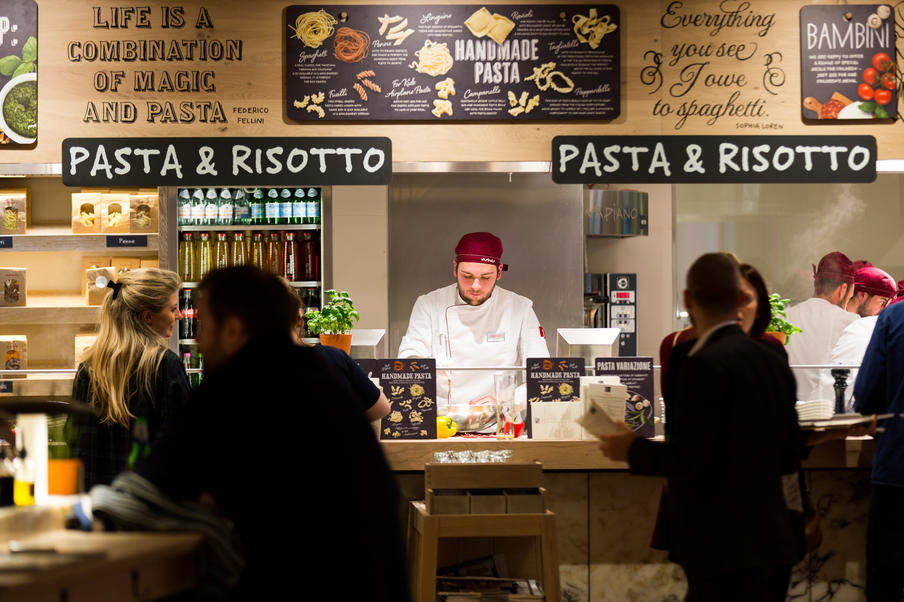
<point>7,476</point>
<point>257,207</point>
<point>275,254</point>
<point>241,212</point>
<point>271,207</point>
<point>239,254</point>
<point>187,261</point>
<point>211,207</point>
<point>225,208</point>
<point>186,308</point>
<point>310,258</point>
<point>185,208</point>
<point>186,363</point>
<point>197,207</point>
<point>285,206</point>
<point>221,251</point>
<point>205,255</point>
<point>299,206</point>
<point>200,375</point>
<point>290,258</point>
<point>24,480</point>
<point>258,251</point>
<point>313,213</point>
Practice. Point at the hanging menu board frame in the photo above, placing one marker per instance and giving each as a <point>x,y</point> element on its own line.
<point>460,62</point>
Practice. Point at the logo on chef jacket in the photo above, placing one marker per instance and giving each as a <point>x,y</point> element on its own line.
<point>542,334</point>
<point>496,337</point>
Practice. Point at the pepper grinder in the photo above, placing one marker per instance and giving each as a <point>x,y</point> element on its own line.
<point>840,375</point>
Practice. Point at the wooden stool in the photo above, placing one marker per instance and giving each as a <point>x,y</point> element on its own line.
<point>424,531</point>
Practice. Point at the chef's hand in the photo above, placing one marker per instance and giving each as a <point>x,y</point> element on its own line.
<point>615,445</point>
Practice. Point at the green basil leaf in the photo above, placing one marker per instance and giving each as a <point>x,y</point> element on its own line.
<point>25,67</point>
<point>30,49</point>
<point>8,64</point>
<point>868,107</point>
<point>881,113</point>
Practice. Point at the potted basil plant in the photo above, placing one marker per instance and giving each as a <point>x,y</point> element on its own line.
<point>780,328</point>
<point>334,321</point>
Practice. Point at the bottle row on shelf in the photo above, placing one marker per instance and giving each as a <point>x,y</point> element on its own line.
<point>294,256</point>
<point>188,325</point>
<point>193,360</point>
<point>248,207</point>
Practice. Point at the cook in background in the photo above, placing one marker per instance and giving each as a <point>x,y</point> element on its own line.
<point>874,288</point>
<point>134,382</point>
<point>473,323</point>
<point>821,319</point>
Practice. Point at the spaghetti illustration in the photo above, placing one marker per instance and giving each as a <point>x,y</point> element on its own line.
<point>312,28</point>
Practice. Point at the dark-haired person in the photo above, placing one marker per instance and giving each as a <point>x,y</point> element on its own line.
<point>135,384</point>
<point>275,437</point>
<point>821,319</point>
<point>728,519</point>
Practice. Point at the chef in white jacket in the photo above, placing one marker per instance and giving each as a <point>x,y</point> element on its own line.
<point>821,319</point>
<point>473,323</point>
<point>875,288</point>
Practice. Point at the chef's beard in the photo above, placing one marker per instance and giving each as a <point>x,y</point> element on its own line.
<point>469,301</point>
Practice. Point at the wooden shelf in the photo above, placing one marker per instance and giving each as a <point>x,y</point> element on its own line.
<point>296,284</point>
<point>262,227</point>
<point>51,308</point>
<point>61,238</point>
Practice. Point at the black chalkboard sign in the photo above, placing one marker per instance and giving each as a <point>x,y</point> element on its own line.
<point>6,242</point>
<point>127,240</point>
<point>636,373</point>
<point>713,159</point>
<point>847,62</point>
<point>410,386</point>
<point>315,161</point>
<point>554,378</point>
<point>458,62</point>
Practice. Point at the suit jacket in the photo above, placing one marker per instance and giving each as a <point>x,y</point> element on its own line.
<point>733,434</point>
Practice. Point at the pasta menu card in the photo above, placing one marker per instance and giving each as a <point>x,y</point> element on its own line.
<point>410,386</point>
<point>636,373</point>
<point>460,62</point>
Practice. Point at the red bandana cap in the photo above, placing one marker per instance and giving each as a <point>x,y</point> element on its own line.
<point>835,266</point>
<point>480,247</point>
<point>899,296</point>
<point>874,281</point>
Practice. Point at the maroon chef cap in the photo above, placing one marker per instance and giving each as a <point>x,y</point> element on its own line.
<point>862,263</point>
<point>874,281</point>
<point>480,247</point>
<point>899,296</point>
<point>835,266</point>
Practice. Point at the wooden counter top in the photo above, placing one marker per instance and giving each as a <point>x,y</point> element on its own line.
<point>855,452</point>
<point>117,567</point>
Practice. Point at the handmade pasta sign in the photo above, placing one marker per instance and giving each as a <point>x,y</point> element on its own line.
<point>452,63</point>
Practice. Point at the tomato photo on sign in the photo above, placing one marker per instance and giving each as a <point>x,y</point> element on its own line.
<point>881,61</point>
<point>865,91</point>
<point>883,97</point>
<point>888,81</point>
<point>871,76</point>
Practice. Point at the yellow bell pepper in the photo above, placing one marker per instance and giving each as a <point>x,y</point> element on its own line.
<point>445,427</point>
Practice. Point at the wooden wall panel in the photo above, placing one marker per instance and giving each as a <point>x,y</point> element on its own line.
<point>65,87</point>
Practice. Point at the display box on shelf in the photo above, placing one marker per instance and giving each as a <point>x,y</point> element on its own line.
<point>92,261</point>
<point>448,501</point>
<point>14,351</point>
<point>97,288</point>
<point>487,501</point>
<point>82,342</point>
<point>143,213</point>
<point>14,208</point>
<point>115,215</point>
<point>150,262</point>
<point>125,264</point>
<point>86,212</point>
<point>525,501</point>
<point>13,280</point>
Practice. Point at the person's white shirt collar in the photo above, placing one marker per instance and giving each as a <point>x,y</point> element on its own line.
<point>702,340</point>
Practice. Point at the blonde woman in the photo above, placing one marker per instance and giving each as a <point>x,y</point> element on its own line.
<point>134,382</point>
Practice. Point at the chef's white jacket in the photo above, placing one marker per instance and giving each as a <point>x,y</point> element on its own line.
<point>821,324</point>
<point>502,331</point>
<point>849,350</point>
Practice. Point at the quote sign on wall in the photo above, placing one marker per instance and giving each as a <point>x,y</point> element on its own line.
<point>452,62</point>
<point>719,63</point>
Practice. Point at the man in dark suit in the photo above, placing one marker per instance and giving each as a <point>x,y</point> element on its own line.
<point>733,434</point>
